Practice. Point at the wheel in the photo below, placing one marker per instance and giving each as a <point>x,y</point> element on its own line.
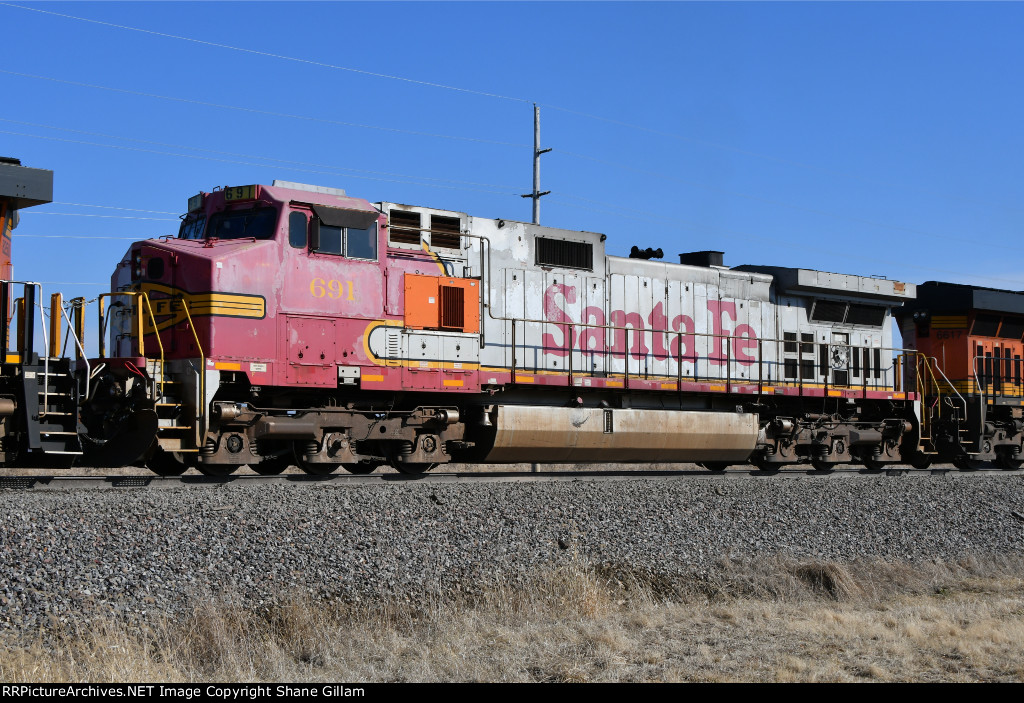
<point>315,469</point>
<point>362,468</point>
<point>1007,463</point>
<point>765,466</point>
<point>769,469</point>
<point>822,465</point>
<point>167,463</point>
<point>217,470</point>
<point>966,463</point>
<point>716,466</point>
<point>920,460</point>
<point>412,469</point>
<point>872,464</point>
<point>271,466</point>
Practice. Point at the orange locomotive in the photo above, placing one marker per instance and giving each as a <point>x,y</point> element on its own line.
<point>969,371</point>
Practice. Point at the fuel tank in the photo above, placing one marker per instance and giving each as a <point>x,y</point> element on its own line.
<point>575,435</point>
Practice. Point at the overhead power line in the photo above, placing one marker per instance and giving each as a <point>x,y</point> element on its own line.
<point>308,167</point>
<point>18,236</point>
<point>706,228</point>
<point>248,163</point>
<point>342,170</point>
<point>498,189</point>
<point>434,84</point>
<point>107,217</point>
<point>114,207</point>
<point>269,113</point>
<point>268,54</point>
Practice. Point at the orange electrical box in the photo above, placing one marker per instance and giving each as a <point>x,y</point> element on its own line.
<point>433,302</point>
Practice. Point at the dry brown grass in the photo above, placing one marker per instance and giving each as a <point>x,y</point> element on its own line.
<point>774,621</point>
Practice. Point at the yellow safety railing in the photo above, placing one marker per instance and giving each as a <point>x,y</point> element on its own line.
<point>138,331</point>
<point>202,370</point>
<point>929,386</point>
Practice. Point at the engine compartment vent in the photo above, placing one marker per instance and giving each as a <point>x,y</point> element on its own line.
<point>564,253</point>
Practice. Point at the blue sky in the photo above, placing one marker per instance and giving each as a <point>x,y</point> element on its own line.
<point>870,138</point>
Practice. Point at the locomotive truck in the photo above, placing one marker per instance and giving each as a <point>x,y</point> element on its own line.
<point>294,324</point>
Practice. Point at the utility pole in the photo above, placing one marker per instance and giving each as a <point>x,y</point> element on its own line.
<point>537,151</point>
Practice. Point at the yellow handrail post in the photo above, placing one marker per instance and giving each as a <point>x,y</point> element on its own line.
<point>102,341</point>
<point>138,329</point>
<point>202,367</point>
<point>156,333</point>
<point>56,305</point>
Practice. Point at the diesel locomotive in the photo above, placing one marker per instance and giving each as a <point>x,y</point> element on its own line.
<point>294,324</point>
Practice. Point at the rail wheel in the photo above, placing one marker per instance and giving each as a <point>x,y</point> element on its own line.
<point>315,469</point>
<point>716,466</point>
<point>920,460</point>
<point>822,465</point>
<point>217,470</point>
<point>362,468</point>
<point>1007,463</point>
<point>966,463</point>
<point>765,466</point>
<point>411,469</point>
<point>271,466</point>
<point>167,463</point>
<point>872,464</point>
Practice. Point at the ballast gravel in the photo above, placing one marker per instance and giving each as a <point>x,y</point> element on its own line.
<point>71,556</point>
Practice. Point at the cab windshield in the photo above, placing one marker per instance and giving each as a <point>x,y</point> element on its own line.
<point>254,223</point>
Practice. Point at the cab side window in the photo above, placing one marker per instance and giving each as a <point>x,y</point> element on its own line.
<point>341,232</point>
<point>361,243</point>
<point>298,229</point>
<point>330,240</point>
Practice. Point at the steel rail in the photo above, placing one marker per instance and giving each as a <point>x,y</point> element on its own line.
<point>57,482</point>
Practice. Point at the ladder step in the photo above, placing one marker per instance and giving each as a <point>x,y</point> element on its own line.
<point>58,432</point>
<point>173,427</point>
<point>54,451</point>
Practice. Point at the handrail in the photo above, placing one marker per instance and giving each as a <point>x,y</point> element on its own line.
<point>81,347</point>
<point>42,323</point>
<point>949,383</point>
<point>139,331</point>
<point>202,367</point>
<point>720,356</point>
<point>930,364</point>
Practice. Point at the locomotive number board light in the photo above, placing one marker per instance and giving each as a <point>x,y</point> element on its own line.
<point>195,202</point>
<point>239,193</point>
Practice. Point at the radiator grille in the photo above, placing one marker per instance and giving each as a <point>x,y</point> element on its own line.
<point>453,307</point>
<point>565,254</point>
<point>444,232</point>
<point>405,227</point>
<point>828,311</point>
<point>866,315</point>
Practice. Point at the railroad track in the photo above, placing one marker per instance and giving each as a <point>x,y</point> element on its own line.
<point>64,482</point>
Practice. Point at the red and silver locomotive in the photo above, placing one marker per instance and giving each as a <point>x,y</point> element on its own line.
<point>292,324</point>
